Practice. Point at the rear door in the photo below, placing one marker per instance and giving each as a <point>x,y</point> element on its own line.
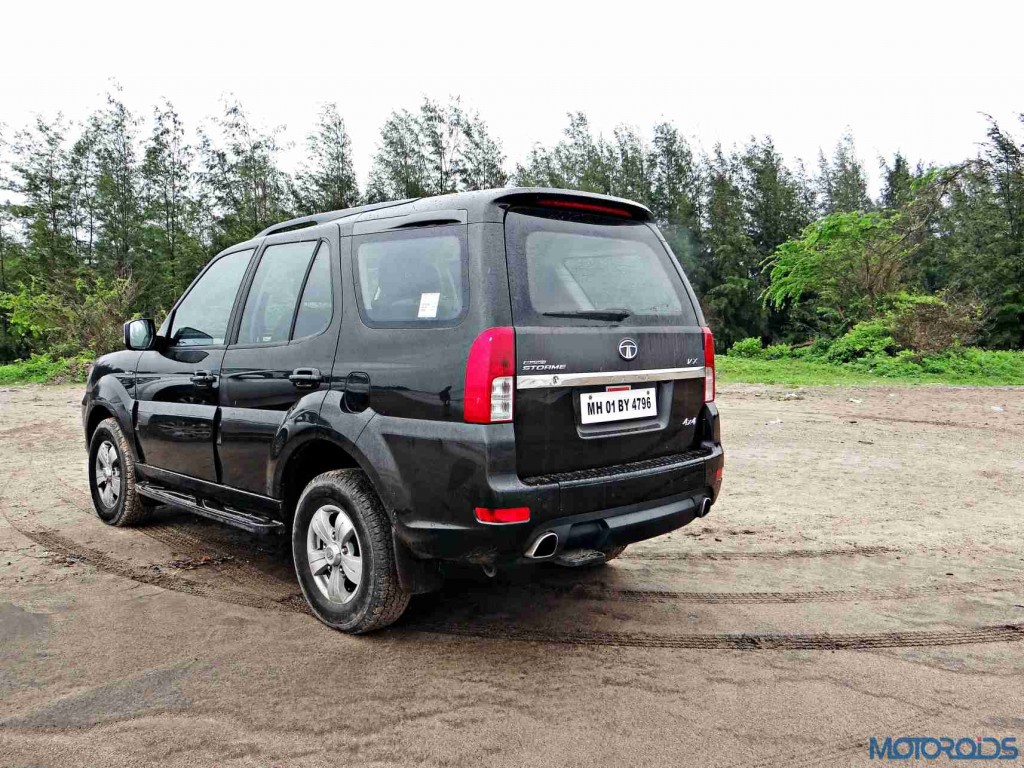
<point>608,341</point>
<point>281,356</point>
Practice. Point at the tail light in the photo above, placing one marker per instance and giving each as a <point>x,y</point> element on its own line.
<point>503,516</point>
<point>490,377</point>
<point>587,207</point>
<point>709,366</point>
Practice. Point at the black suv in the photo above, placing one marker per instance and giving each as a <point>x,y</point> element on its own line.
<point>492,377</point>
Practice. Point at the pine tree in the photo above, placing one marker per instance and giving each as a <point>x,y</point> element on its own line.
<point>675,183</point>
<point>630,162</point>
<point>244,190</point>
<point>399,167</point>
<point>483,162</point>
<point>728,287</point>
<point>577,161</point>
<point>843,182</point>
<point>118,187</point>
<point>171,234</point>
<point>897,182</point>
<point>327,181</point>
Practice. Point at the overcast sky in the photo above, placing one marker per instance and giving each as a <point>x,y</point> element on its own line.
<point>902,75</point>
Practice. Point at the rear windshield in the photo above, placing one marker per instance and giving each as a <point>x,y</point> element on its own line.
<point>566,266</point>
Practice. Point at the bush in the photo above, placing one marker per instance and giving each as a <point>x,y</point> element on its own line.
<point>43,369</point>
<point>931,324</point>
<point>866,339</point>
<point>83,318</point>
<point>750,348</point>
<point>777,352</point>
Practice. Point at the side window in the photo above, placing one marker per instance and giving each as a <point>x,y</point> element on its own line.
<point>316,305</point>
<point>412,278</point>
<point>270,306</point>
<point>202,317</point>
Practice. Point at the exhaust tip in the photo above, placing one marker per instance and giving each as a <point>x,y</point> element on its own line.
<point>544,546</point>
<point>704,507</point>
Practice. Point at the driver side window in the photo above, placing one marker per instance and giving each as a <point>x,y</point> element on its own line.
<point>202,317</point>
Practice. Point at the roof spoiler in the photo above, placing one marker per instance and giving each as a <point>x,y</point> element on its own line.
<point>584,202</point>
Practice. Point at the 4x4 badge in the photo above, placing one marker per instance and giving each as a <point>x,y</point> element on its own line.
<point>627,349</point>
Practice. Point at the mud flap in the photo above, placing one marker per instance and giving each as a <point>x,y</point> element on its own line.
<point>416,576</point>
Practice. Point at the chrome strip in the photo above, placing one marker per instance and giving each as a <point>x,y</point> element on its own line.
<point>606,377</point>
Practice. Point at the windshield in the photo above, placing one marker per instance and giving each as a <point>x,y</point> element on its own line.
<point>578,268</point>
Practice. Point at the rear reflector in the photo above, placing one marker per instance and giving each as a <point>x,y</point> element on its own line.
<point>502,516</point>
<point>589,207</point>
<point>490,377</point>
<point>709,366</point>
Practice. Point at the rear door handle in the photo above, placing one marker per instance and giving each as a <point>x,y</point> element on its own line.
<point>305,378</point>
<point>203,379</point>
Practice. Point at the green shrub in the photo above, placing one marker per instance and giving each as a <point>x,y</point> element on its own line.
<point>68,320</point>
<point>750,348</point>
<point>777,352</point>
<point>866,339</point>
<point>43,369</point>
<point>931,324</point>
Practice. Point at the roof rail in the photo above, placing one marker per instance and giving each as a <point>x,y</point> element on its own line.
<point>302,221</point>
<point>323,218</point>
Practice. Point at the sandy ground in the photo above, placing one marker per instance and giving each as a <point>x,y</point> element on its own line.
<point>862,575</point>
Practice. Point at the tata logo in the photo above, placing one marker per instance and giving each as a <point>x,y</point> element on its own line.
<point>627,349</point>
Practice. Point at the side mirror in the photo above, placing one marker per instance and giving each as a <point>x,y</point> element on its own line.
<point>139,334</point>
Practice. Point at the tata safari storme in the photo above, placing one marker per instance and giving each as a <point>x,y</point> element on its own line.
<point>496,377</point>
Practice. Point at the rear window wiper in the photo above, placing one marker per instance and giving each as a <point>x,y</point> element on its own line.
<point>612,315</point>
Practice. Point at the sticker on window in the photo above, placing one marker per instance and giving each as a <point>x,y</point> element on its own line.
<point>428,305</point>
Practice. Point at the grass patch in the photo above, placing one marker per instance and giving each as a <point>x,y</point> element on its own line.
<point>974,367</point>
<point>42,369</point>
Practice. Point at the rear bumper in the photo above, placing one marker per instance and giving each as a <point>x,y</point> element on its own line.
<point>433,486</point>
<point>616,527</point>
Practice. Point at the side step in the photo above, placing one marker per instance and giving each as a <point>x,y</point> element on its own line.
<point>261,526</point>
<point>576,558</point>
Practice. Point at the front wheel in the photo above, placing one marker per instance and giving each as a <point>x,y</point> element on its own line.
<point>112,476</point>
<point>344,556</point>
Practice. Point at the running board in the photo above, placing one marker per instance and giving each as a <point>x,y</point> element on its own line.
<point>261,526</point>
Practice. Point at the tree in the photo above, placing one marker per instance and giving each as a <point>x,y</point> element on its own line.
<point>843,182</point>
<point>118,208</point>
<point>483,162</point>
<point>40,176</point>
<point>399,167</point>
<point>244,190</point>
<point>438,150</point>
<point>327,181</point>
<point>851,262</point>
<point>442,133</point>
<point>674,178</point>
<point>578,161</point>
<point>897,182</point>
<point>727,282</point>
<point>171,231</point>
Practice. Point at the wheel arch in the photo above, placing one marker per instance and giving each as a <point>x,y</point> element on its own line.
<point>311,458</point>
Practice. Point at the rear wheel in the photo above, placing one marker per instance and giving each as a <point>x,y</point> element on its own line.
<point>112,476</point>
<point>344,555</point>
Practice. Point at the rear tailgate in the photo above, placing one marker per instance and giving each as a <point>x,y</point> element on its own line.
<point>609,347</point>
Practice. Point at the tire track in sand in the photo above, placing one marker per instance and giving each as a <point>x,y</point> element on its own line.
<point>58,544</point>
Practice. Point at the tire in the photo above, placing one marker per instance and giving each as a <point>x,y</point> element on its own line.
<point>344,554</point>
<point>112,477</point>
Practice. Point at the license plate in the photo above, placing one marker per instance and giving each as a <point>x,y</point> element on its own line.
<point>617,405</point>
